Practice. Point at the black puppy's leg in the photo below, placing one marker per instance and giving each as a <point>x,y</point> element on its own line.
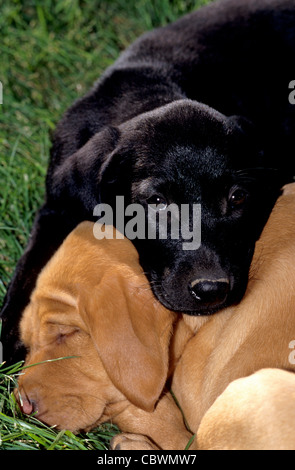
<point>49,230</point>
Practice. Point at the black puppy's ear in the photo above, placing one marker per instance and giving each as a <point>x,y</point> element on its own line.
<point>246,136</point>
<point>76,180</point>
<point>265,170</point>
<point>115,176</point>
<point>244,125</point>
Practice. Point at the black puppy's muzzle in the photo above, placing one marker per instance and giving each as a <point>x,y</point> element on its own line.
<point>209,292</point>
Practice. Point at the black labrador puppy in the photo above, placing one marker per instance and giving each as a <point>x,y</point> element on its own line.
<point>142,133</point>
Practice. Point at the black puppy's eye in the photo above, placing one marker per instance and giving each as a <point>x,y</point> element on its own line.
<point>158,201</point>
<point>237,198</point>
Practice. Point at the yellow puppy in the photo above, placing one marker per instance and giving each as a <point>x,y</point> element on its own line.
<point>93,304</point>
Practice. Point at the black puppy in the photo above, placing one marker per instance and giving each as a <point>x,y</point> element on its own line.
<point>138,134</point>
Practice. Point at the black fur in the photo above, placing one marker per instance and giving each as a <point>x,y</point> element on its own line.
<point>143,121</point>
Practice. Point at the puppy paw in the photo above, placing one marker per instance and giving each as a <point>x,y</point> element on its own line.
<point>131,442</point>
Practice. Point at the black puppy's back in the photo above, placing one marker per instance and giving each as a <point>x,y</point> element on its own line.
<point>235,56</point>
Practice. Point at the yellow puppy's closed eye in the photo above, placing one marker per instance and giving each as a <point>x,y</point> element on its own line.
<point>58,333</point>
<point>63,335</point>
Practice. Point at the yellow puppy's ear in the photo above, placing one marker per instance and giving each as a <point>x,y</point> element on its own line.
<point>131,332</point>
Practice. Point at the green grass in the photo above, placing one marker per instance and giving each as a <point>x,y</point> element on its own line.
<point>51,53</point>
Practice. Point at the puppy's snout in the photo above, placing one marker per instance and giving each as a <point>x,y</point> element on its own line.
<point>209,292</point>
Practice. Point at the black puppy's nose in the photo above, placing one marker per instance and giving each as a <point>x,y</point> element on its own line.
<point>209,292</point>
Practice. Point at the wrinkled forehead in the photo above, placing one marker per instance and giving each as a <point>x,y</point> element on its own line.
<point>54,305</point>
